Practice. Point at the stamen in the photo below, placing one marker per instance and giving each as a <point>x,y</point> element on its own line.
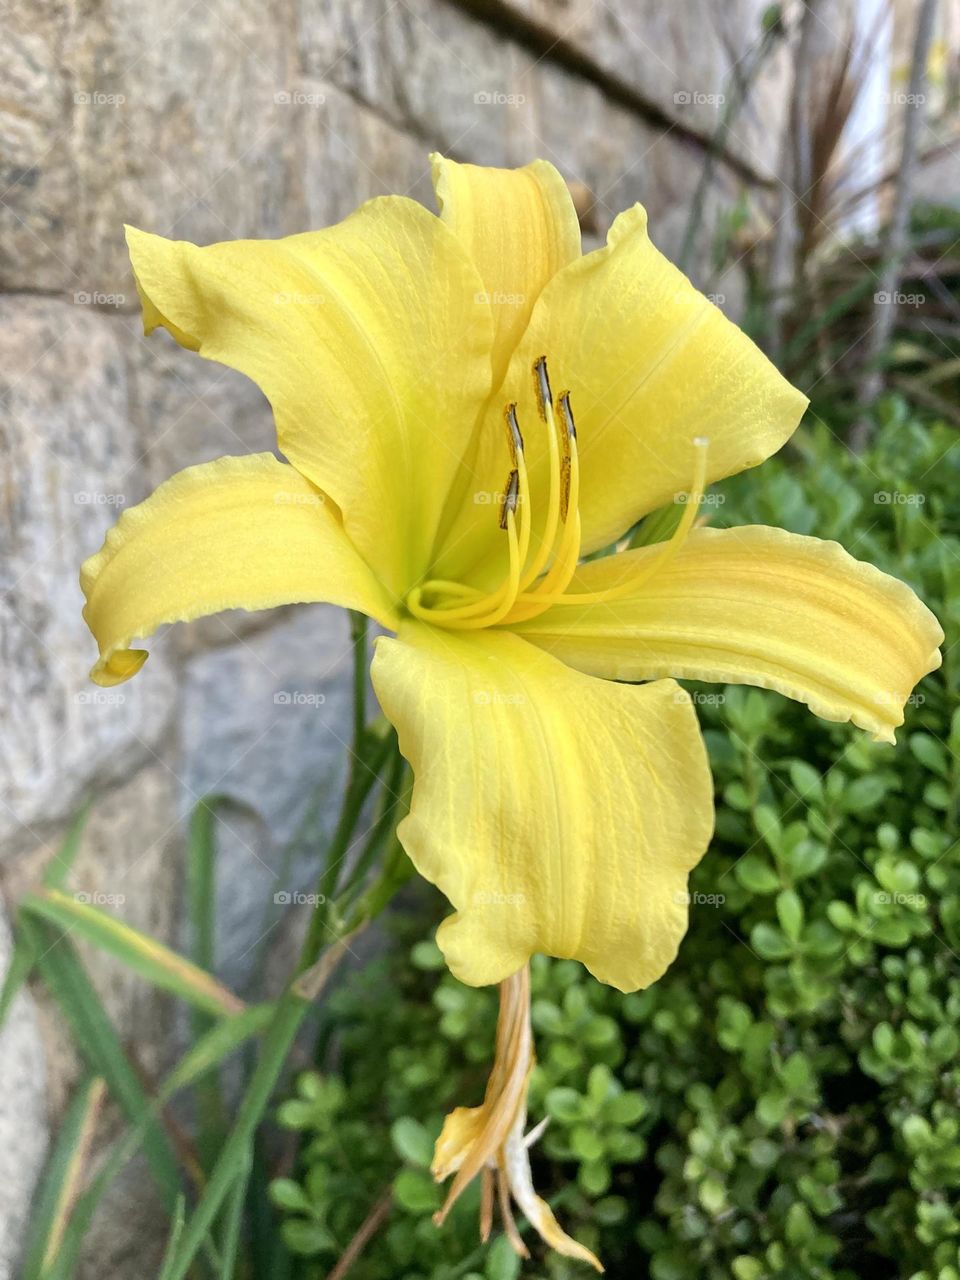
<point>561,572</point>
<point>514,438</point>
<point>510,495</point>
<point>634,581</point>
<point>569,440</point>
<point>541,381</point>
<point>548,536</point>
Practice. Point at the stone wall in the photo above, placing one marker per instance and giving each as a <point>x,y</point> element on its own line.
<point>207,120</point>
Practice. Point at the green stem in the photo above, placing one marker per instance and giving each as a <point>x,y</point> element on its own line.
<point>358,636</point>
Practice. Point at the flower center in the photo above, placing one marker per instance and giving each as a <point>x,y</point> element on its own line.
<point>529,586</point>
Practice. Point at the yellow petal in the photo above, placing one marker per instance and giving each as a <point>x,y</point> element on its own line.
<point>558,813</point>
<point>519,227</point>
<point>369,343</point>
<point>756,606</point>
<point>651,364</point>
<point>238,533</point>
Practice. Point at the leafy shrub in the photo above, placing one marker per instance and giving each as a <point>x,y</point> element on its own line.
<point>785,1102</point>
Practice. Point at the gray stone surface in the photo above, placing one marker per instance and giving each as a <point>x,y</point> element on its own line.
<point>127,864</point>
<point>676,57</point>
<point>266,723</point>
<point>70,465</point>
<point>23,1117</point>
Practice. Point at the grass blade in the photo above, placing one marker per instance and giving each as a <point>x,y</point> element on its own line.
<point>201,900</point>
<point>157,963</point>
<point>61,864</point>
<point>277,1044</point>
<point>62,1177</point>
<point>233,1222</point>
<point>176,1230</point>
<point>22,960</point>
<point>67,980</point>
<point>224,1038</point>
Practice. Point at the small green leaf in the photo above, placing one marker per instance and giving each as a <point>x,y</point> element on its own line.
<point>411,1141</point>
<point>416,1191</point>
<point>790,913</point>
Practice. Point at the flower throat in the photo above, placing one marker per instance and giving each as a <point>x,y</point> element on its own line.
<point>526,589</point>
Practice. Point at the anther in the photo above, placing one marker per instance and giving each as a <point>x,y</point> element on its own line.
<point>542,382</point>
<point>510,496</point>
<point>514,438</point>
<point>568,436</point>
<point>567,414</point>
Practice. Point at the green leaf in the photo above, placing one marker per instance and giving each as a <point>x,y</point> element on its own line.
<point>64,1170</point>
<point>586,1143</point>
<point>931,753</point>
<point>99,1043</point>
<point>863,794</point>
<point>755,872</point>
<point>625,1109</point>
<point>288,1194</point>
<point>594,1177</point>
<point>144,955</point>
<point>712,1195</point>
<point>790,913</point>
<point>223,1039</point>
<point>287,1016</point>
<point>564,1104</point>
<point>412,1142</point>
<point>502,1263</point>
<point>22,960</point>
<point>769,942</point>
<point>806,781</point>
<point>306,1238</point>
<point>416,1191</point>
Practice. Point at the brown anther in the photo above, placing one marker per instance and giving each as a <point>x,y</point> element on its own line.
<point>541,381</point>
<point>566,414</point>
<point>511,494</point>
<point>514,437</point>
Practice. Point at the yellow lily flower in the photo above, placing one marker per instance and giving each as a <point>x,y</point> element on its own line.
<point>436,482</point>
